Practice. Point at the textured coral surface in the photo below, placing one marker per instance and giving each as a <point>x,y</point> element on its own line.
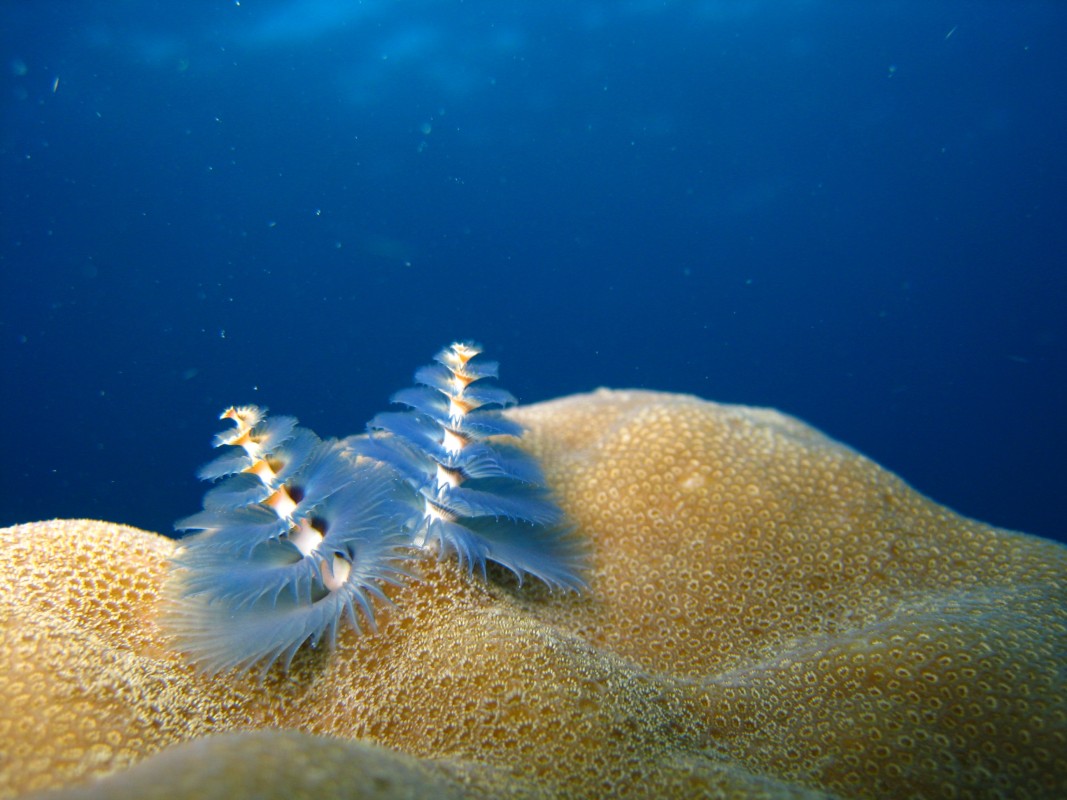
<point>769,615</point>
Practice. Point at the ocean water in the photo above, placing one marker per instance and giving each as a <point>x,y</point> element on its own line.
<point>853,212</point>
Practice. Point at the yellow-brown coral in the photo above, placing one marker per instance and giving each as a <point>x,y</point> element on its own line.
<point>769,614</point>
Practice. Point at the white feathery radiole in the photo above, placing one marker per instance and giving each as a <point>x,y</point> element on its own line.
<point>299,532</point>
<point>479,494</point>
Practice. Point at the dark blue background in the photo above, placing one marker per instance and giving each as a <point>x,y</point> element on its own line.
<point>854,212</point>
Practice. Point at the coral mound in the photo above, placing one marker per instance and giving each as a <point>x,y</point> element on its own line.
<point>769,614</point>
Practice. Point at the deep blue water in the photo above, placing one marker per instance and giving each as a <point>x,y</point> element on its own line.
<point>853,212</point>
